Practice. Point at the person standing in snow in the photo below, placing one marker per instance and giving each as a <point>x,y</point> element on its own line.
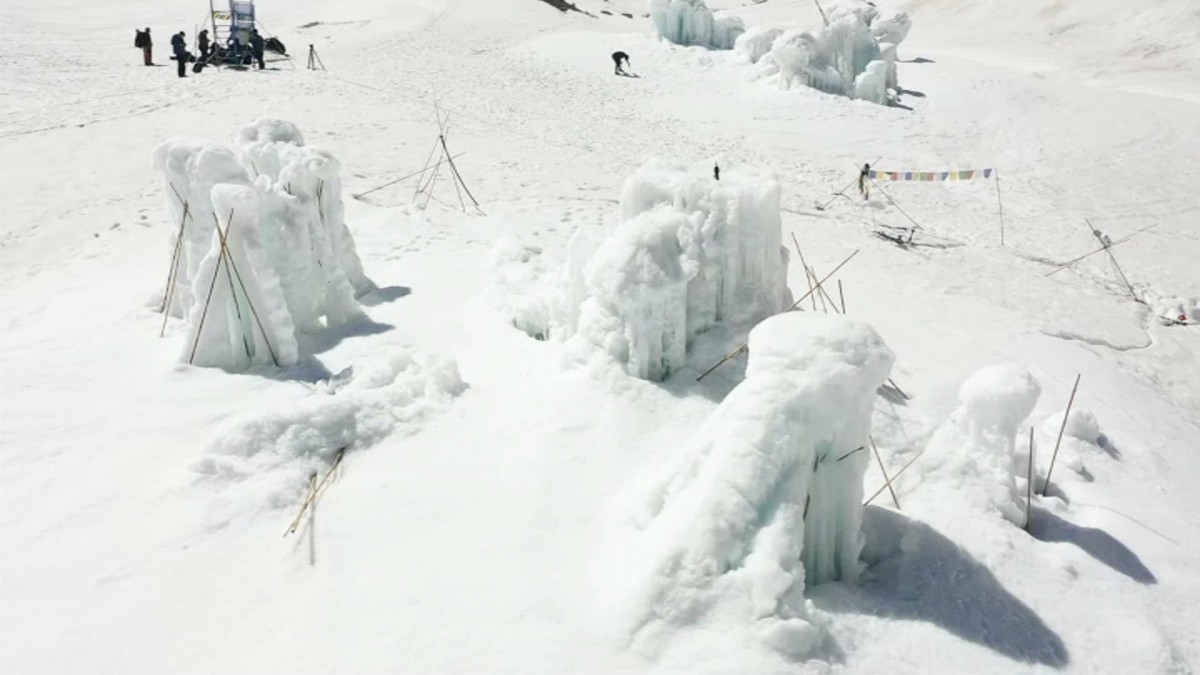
<point>617,58</point>
<point>863,175</point>
<point>256,46</point>
<point>179,46</point>
<point>143,42</point>
<point>203,44</point>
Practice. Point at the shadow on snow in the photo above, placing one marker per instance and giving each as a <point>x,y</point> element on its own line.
<point>1097,543</point>
<point>917,574</point>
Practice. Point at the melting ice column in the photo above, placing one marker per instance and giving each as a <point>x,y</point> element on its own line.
<point>769,493</point>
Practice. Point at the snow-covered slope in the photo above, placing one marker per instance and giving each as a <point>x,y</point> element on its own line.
<point>495,487</point>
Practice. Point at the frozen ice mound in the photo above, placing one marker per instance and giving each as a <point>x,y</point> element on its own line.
<point>271,453</point>
<point>768,495</point>
<point>691,23</point>
<point>970,460</point>
<point>291,249</point>
<point>854,55</point>
<point>691,252</point>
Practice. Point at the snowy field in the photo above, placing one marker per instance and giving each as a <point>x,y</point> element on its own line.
<point>512,504</point>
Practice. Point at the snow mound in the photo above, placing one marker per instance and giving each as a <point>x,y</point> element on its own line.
<point>1177,310</point>
<point>755,43</point>
<point>522,286</point>
<point>690,253</point>
<point>271,454</point>
<point>970,460</point>
<point>893,29</point>
<point>291,248</point>
<point>853,55</point>
<point>1082,439</point>
<point>691,23</point>
<point>768,495</point>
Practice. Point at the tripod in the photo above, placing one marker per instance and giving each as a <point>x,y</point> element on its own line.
<point>314,61</point>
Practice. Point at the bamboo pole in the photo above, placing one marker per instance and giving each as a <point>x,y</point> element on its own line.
<point>893,203</point>
<point>315,493</point>
<point>1029,486</point>
<point>858,449</point>
<point>232,293</point>
<point>807,272</point>
<point>1099,250</point>
<point>1066,417</point>
<point>841,296</point>
<point>173,273</point>
<point>421,180</point>
<point>208,299</point>
<point>1000,201</point>
<point>794,306</point>
<point>242,284</point>
<point>886,480</point>
<point>894,478</point>
<point>897,388</point>
<point>402,178</point>
<point>175,258</point>
<point>1113,258</point>
<point>842,192</point>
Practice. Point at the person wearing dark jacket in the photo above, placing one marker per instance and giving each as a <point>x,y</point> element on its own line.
<point>203,44</point>
<point>143,42</point>
<point>257,44</point>
<point>617,58</point>
<point>179,45</point>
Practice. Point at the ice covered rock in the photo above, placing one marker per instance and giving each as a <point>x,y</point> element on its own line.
<point>691,23</point>
<point>969,460</point>
<point>690,253</point>
<point>767,497</point>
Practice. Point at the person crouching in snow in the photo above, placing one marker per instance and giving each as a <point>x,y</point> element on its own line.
<point>617,58</point>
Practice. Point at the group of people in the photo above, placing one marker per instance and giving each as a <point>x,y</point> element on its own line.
<point>208,49</point>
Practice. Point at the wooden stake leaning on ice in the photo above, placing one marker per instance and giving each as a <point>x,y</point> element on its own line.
<point>229,262</point>
<point>1063,428</point>
<point>796,304</point>
<point>811,275</point>
<point>1029,486</point>
<point>231,270</point>
<point>173,273</point>
<point>315,490</point>
<point>894,478</point>
<point>887,481</point>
